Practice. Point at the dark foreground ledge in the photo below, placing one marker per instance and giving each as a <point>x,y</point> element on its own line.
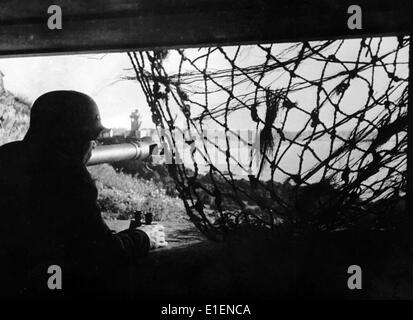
<point>259,268</point>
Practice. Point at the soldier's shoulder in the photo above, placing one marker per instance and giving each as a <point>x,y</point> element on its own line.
<point>77,176</point>
<point>10,148</point>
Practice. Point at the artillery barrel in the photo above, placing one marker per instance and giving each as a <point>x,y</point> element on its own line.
<point>138,150</point>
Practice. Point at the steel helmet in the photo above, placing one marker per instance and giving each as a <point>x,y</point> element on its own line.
<point>65,114</point>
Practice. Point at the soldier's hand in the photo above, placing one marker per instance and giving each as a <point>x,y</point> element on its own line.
<point>156,235</point>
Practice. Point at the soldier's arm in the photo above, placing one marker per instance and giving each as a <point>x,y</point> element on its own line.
<point>119,248</point>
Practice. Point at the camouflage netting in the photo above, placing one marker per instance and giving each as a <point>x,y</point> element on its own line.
<point>329,124</point>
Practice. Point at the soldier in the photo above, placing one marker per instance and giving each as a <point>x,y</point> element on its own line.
<point>48,205</point>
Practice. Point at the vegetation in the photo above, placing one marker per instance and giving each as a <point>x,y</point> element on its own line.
<point>121,194</point>
<point>14,116</point>
<point>157,173</point>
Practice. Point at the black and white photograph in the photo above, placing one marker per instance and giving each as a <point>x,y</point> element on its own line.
<point>205,155</point>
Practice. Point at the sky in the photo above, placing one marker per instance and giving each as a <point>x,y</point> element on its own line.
<point>94,74</point>
<point>98,75</point>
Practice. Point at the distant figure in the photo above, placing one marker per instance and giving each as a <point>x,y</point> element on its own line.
<point>48,205</point>
<point>136,123</point>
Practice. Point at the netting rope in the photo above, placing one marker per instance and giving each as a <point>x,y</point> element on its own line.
<point>337,109</point>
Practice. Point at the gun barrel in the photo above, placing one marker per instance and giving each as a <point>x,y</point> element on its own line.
<point>139,150</point>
